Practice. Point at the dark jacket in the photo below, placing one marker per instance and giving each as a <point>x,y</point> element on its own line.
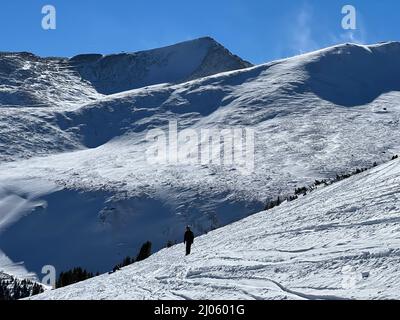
<point>189,237</point>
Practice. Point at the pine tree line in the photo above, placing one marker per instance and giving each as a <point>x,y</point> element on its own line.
<point>78,274</point>
<point>73,276</point>
<point>302,191</point>
<point>12,288</point>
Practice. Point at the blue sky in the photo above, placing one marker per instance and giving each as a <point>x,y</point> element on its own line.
<point>257,30</point>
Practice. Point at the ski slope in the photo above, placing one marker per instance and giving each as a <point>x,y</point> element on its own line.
<point>339,242</point>
<point>78,176</point>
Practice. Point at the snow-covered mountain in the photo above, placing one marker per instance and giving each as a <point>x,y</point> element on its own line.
<point>12,288</point>
<point>27,80</point>
<point>35,92</point>
<point>87,196</point>
<point>173,64</point>
<point>339,242</point>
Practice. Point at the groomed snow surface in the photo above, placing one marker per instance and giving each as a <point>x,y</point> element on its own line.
<point>339,242</point>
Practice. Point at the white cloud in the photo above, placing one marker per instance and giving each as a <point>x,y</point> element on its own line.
<point>305,35</point>
<point>301,32</point>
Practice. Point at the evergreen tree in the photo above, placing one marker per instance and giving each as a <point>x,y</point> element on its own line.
<point>145,251</point>
<point>127,261</point>
<point>73,276</point>
<point>169,244</point>
<point>12,288</point>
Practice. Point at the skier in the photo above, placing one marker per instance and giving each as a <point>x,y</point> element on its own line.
<point>188,239</point>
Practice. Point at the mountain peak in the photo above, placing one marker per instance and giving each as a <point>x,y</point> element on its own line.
<point>175,63</point>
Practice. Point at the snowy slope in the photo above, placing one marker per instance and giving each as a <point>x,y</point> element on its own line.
<point>339,242</point>
<point>35,91</point>
<point>27,80</point>
<point>13,288</point>
<point>314,116</point>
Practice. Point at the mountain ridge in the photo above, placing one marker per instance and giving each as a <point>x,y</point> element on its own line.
<point>64,82</point>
